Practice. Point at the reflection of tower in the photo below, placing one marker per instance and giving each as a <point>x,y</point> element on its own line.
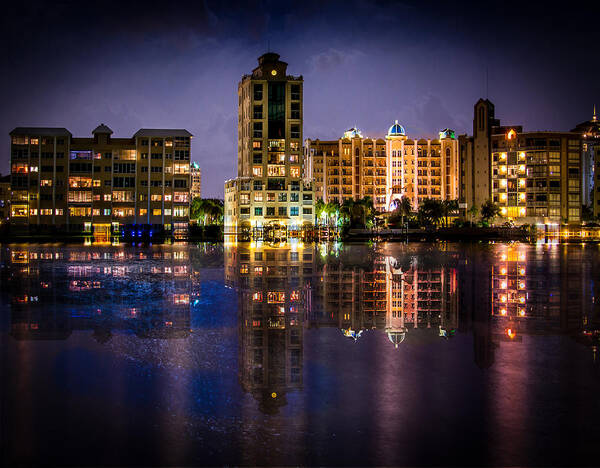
<point>475,305</point>
<point>274,292</point>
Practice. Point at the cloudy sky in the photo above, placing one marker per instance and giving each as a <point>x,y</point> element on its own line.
<point>171,64</point>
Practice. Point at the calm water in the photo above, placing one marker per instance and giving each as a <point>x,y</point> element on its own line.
<point>413,354</point>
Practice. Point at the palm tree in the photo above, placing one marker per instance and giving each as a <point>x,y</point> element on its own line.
<point>430,211</point>
<point>320,209</point>
<point>449,206</point>
<point>489,210</point>
<point>405,208</point>
<point>473,212</point>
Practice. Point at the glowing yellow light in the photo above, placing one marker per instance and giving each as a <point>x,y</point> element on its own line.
<point>503,169</point>
<point>273,72</point>
<point>503,257</point>
<point>503,298</point>
<point>522,196</point>
<point>511,134</point>
<point>521,256</point>
<point>522,211</point>
<point>522,300</point>
<point>503,271</point>
<point>522,168</point>
<point>522,312</point>
<point>522,155</point>
<point>503,183</point>
<point>503,155</point>
<point>522,285</point>
<point>502,311</point>
<point>522,182</point>
<point>503,196</point>
<point>273,395</point>
<point>522,271</point>
<point>510,333</point>
<point>503,285</point>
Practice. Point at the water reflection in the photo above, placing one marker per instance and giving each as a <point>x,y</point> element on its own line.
<point>415,294</point>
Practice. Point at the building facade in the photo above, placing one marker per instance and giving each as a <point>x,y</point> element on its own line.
<point>534,177</point>
<point>4,199</point>
<point>385,170</point>
<point>196,181</point>
<point>101,184</point>
<point>268,195</point>
<point>590,159</point>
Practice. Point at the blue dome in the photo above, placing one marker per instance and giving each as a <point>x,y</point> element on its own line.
<point>396,130</point>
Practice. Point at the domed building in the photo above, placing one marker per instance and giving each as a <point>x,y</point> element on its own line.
<point>420,168</point>
<point>353,133</point>
<point>396,131</point>
<point>385,169</point>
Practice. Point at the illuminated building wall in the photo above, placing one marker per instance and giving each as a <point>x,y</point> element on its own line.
<point>385,170</point>
<point>535,177</point>
<point>590,132</point>
<point>4,198</point>
<point>269,188</point>
<point>352,167</point>
<point>196,181</point>
<point>100,183</point>
<point>274,296</point>
<point>420,169</point>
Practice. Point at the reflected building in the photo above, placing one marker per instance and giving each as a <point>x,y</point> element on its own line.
<point>93,290</point>
<point>274,288</point>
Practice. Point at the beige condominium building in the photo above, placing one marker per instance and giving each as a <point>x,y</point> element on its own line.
<point>196,181</point>
<point>101,185</point>
<point>269,196</point>
<point>534,177</point>
<point>384,169</point>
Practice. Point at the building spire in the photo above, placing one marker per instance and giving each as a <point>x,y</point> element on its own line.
<point>594,118</point>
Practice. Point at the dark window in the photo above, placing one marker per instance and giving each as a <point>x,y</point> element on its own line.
<point>270,211</point>
<point>257,130</point>
<point>295,91</point>
<point>258,112</point>
<point>295,131</point>
<point>295,114</point>
<point>276,111</point>
<point>180,183</point>
<point>257,158</point>
<point>258,92</point>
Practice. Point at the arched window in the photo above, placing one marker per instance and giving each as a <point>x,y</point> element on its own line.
<point>481,118</point>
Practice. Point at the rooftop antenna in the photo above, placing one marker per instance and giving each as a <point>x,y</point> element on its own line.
<point>594,118</point>
<point>486,83</point>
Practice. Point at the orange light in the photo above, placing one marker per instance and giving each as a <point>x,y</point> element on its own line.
<point>502,311</point>
<point>522,312</point>
<point>503,298</point>
<point>521,299</point>
<point>511,134</point>
<point>503,285</point>
<point>510,333</point>
<point>503,271</point>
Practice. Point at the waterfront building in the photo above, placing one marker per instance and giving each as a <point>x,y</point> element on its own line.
<point>354,167</point>
<point>100,184</point>
<point>196,181</point>
<point>268,195</point>
<point>4,198</point>
<point>590,131</point>
<point>535,177</point>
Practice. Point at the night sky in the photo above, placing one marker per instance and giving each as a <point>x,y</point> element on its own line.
<point>176,65</point>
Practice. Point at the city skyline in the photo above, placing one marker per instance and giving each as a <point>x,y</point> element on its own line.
<point>429,66</point>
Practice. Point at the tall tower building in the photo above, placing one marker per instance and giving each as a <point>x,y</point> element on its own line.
<point>196,181</point>
<point>268,196</point>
